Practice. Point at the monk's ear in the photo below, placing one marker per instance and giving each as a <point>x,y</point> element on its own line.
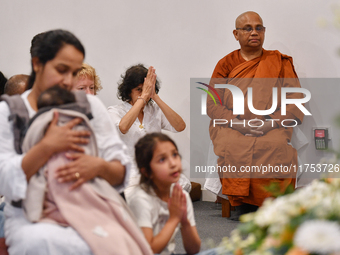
<point>235,32</point>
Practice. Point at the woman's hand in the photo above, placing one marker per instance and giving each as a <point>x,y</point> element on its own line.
<point>149,84</point>
<point>81,169</point>
<point>63,138</point>
<point>56,139</point>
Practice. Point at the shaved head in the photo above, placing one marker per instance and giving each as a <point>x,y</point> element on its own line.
<point>240,19</point>
<point>250,34</point>
<point>17,84</point>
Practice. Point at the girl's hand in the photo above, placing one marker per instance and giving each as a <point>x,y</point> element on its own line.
<point>82,169</point>
<point>63,138</point>
<point>149,84</point>
<point>175,203</point>
<point>184,219</point>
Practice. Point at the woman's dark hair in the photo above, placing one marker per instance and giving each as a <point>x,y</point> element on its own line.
<point>144,150</point>
<point>46,45</point>
<point>133,77</point>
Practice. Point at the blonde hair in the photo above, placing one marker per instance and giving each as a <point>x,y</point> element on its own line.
<point>89,72</point>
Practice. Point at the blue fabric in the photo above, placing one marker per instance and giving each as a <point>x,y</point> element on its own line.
<point>2,220</point>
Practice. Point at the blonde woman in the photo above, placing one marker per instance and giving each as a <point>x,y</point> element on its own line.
<point>87,80</point>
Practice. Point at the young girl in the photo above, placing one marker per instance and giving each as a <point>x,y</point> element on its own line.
<point>159,203</point>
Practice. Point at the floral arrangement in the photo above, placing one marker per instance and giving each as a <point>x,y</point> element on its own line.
<point>304,222</point>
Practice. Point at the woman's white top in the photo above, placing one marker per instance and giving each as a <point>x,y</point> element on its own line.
<point>154,121</point>
<point>13,181</point>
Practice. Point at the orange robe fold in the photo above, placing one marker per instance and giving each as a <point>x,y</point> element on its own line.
<point>272,149</point>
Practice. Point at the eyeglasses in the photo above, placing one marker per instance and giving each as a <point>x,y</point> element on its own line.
<point>259,29</point>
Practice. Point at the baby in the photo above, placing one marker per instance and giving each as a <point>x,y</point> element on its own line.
<point>94,209</point>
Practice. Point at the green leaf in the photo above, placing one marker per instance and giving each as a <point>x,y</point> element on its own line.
<point>275,190</point>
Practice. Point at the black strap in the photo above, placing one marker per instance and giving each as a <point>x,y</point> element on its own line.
<point>17,204</point>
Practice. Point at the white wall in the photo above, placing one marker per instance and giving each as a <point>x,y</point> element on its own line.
<point>181,38</point>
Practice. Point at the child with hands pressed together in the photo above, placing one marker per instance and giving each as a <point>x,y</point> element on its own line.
<point>159,203</point>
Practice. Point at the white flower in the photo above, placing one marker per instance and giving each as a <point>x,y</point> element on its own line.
<point>248,241</point>
<point>278,211</point>
<point>335,182</point>
<point>318,236</point>
<point>247,217</point>
<point>324,207</point>
<point>261,253</point>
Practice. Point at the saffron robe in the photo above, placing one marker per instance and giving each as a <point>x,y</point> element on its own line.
<point>272,149</point>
